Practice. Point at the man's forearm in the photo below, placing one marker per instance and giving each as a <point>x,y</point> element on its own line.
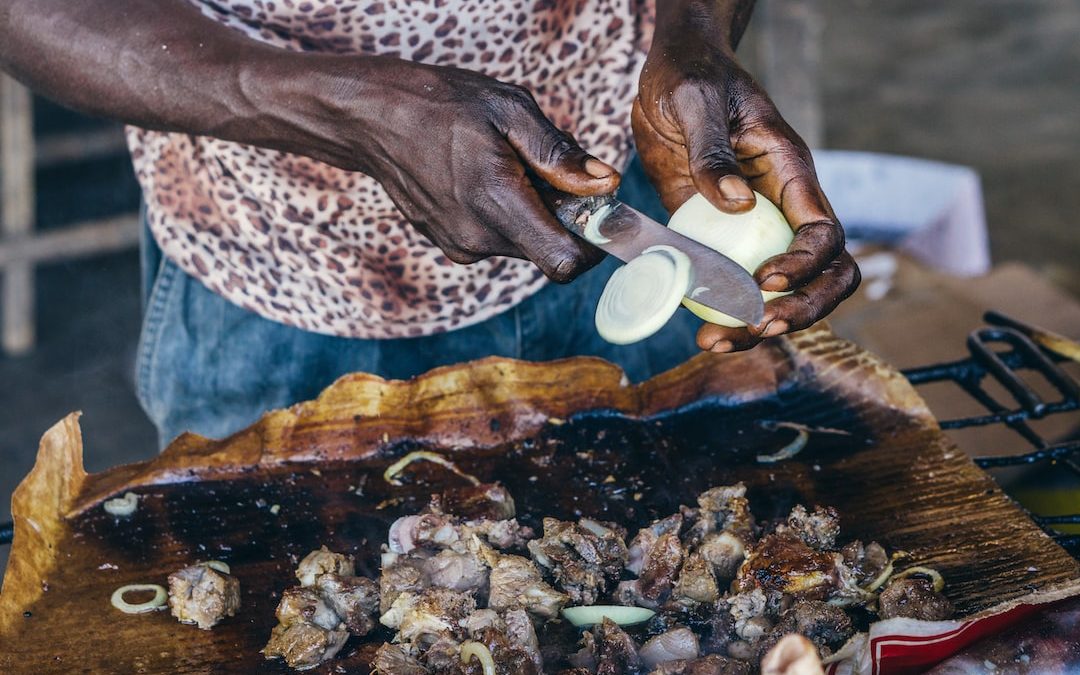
<point>161,64</point>
<point>724,19</point>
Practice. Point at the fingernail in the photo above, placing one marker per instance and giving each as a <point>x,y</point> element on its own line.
<point>775,282</point>
<point>734,189</point>
<point>597,169</point>
<point>722,347</point>
<point>774,328</point>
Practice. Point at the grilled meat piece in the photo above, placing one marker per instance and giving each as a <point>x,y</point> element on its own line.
<point>696,584</point>
<point>487,501</point>
<point>462,572</point>
<point>825,625</point>
<point>521,634</point>
<point>502,534</point>
<point>615,651</point>
<point>914,598</point>
<point>443,655</point>
<point>793,655</point>
<point>713,664</point>
<point>783,562</point>
<point>509,658</point>
<point>866,562</point>
<point>722,509</point>
<point>481,619</point>
<point>324,561</point>
<point>400,574</point>
<point>646,538</point>
<point>586,558</point>
<point>354,599</point>
<point>304,645</point>
<point>750,611</point>
<point>818,529</point>
<point>724,551</point>
<point>677,644</point>
<point>434,531</point>
<point>661,566</point>
<point>392,660</point>
<point>421,618</point>
<point>305,604</point>
<point>203,595</point>
<point>517,583</point>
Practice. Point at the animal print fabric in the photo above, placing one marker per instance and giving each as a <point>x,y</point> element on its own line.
<point>325,250</point>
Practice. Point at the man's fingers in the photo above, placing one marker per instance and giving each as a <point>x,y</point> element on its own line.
<point>814,301</point>
<point>814,246</point>
<point>552,153</point>
<point>720,339</point>
<point>713,165</point>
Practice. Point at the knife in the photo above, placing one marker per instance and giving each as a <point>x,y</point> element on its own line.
<point>716,281</point>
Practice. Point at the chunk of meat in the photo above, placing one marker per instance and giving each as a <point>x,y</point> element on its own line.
<point>724,551</point>
<point>713,664</point>
<point>521,635</point>
<point>392,660</point>
<point>443,655</point>
<point>586,558</point>
<point>304,645</point>
<point>914,598</point>
<point>749,612</point>
<point>696,584</point>
<point>400,574</point>
<point>203,595</point>
<point>354,599</point>
<point>517,583</point>
<point>818,529</point>
<point>508,657</point>
<point>661,565</point>
<point>487,501</point>
<point>502,534</point>
<point>865,562</point>
<point>783,562</point>
<point>481,619</point>
<point>305,604</point>
<point>827,626</point>
<point>646,538</point>
<point>462,572</point>
<point>432,613</point>
<point>677,644</point>
<point>723,508</point>
<point>434,531</point>
<point>324,561</point>
<point>616,653</point>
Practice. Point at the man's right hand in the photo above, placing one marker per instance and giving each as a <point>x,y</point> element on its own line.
<point>454,150</point>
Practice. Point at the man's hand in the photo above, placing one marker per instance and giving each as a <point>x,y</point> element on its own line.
<point>455,150</point>
<point>703,125</point>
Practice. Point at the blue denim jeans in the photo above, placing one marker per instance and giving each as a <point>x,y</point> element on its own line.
<point>209,366</point>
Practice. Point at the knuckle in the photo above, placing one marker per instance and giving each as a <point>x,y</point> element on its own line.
<point>561,266</point>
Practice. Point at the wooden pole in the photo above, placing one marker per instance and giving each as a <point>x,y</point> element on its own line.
<point>16,213</point>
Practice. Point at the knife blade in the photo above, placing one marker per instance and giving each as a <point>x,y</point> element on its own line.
<point>716,280</point>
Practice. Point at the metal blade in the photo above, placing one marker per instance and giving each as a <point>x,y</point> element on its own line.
<point>716,280</point>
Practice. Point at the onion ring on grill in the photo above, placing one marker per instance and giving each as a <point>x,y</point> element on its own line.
<point>218,565</point>
<point>935,576</point>
<point>471,648</point>
<point>152,605</point>
<point>122,506</point>
<point>423,455</point>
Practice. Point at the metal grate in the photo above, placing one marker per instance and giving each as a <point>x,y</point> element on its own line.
<point>971,375</point>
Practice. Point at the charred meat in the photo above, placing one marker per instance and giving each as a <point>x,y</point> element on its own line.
<point>203,595</point>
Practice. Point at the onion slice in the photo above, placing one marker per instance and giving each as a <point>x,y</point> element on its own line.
<point>471,648</point>
<point>390,475</point>
<point>642,295</point>
<point>935,577</point>
<point>122,506</point>
<point>151,605</point>
<point>594,614</point>
<point>219,565</point>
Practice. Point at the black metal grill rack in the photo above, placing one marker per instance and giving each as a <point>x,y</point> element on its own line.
<point>971,374</point>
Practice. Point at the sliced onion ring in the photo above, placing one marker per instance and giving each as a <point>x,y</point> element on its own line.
<point>642,295</point>
<point>592,226</point>
<point>122,506</point>
<point>935,577</point>
<point>390,475</point>
<point>471,648</point>
<point>593,614</point>
<point>151,605</point>
<point>219,565</point>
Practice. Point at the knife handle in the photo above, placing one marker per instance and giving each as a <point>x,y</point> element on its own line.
<point>570,210</point>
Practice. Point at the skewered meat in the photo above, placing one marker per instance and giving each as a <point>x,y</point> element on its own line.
<point>203,595</point>
<point>586,558</point>
<point>825,625</point>
<point>677,644</point>
<point>354,599</point>
<point>914,598</point>
<point>324,561</point>
<point>304,645</point>
<point>392,660</point>
<point>713,664</point>
<point>517,583</point>
<point>475,502</point>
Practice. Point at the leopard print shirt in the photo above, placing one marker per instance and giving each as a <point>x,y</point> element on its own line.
<point>324,249</point>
